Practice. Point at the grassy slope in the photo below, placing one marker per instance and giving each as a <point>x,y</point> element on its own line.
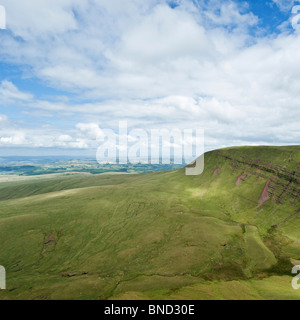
<point>157,236</point>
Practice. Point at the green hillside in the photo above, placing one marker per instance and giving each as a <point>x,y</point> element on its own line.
<point>231,233</point>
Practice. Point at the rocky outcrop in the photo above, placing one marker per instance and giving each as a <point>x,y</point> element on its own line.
<point>239,179</point>
<point>217,171</point>
<point>264,196</point>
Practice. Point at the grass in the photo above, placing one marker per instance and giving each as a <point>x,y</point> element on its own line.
<point>156,235</point>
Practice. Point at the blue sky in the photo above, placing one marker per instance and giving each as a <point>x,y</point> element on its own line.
<point>71,67</point>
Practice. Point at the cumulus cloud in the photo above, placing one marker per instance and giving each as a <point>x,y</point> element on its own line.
<point>130,50</point>
<point>31,18</point>
<point>16,139</point>
<point>90,130</point>
<point>197,64</point>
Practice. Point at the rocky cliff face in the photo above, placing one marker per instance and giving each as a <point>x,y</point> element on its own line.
<point>282,176</point>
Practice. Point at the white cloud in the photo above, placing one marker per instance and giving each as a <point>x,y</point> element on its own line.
<point>163,35</point>
<point>131,50</point>
<point>284,5</point>
<point>90,130</point>
<point>154,66</point>
<point>230,15</point>
<point>16,139</point>
<point>9,92</point>
<point>31,18</point>
<point>3,120</point>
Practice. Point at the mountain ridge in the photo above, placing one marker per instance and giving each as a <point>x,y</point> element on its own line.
<point>157,235</point>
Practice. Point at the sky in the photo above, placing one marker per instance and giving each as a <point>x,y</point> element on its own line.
<point>69,68</point>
